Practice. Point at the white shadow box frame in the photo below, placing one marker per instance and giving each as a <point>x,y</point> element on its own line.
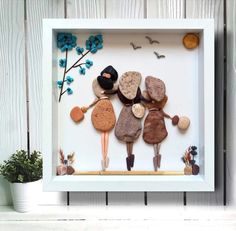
<point>189,78</point>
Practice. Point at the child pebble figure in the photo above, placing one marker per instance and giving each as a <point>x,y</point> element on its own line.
<point>155,131</point>
<point>103,115</point>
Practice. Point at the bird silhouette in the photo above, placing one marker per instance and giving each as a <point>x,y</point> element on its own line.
<point>134,46</point>
<point>159,56</point>
<point>151,41</point>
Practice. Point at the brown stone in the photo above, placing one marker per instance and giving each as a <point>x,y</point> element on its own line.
<point>159,105</point>
<point>154,131</point>
<point>103,116</point>
<point>155,88</point>
<point>128,127</point>
<point>98,91</point>
<point>70,170</point>
<point>76,114</point>
<point>146,96</point>
<point>191,41</point>
<point>195,169</point>
<point>175,120</point>
<point>129,83</point>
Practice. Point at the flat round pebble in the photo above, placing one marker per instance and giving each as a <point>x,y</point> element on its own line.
<point>138,110</point>
<point>155,87</point>
<point>129,83</point>
<point>175,120</point>
<point>76,114</point>
<point>191,41</point>
<point>183,123</point>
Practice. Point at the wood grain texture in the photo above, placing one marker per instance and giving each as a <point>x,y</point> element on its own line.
<point>85,8</point>
<point>36,10</point>
<point>165,8</point>
<point>231,98</point>
<point>12,88</point>
<point>213,9</point>
<point>125,9</point>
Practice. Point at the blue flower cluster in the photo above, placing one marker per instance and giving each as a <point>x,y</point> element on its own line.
<point>59,83</point>
<point>88,63</point>
<point>69,91</point>
<point>79,50</point>
<point>62,62</point>
<point>94,43</point>
<point>66,41</point>
<point>82,70</point>
<point>69,79</point>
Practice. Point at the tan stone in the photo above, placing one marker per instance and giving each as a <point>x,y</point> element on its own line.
<point>103,116</point>
<point>183,123</point>
<point>129,83</point>
<point>98,91</point>
<point>138,110</point>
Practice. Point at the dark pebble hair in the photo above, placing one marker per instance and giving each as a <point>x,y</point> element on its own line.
<point>112,71</point>
<point>124,100</point>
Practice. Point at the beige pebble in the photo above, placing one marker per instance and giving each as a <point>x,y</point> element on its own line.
<point>129,83</point>
<point>183,123</point>
<point>138,110</point>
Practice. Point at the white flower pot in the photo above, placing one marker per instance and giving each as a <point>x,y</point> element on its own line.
<point>25,195</point>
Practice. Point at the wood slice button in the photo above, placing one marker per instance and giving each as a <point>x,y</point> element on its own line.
<point>76,114</point>
<point>188,170</point>
<point>138,110</point>
<point>191,41</point>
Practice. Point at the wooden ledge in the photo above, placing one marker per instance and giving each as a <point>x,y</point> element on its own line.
<point>166,173</point>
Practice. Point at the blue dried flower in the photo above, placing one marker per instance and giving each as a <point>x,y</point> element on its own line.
<point>88,63</point>
<point>79,50</point>
<point>82,70</point>
<point>69,91</point>
<point>59,83</point>
<point>66,41</point>
<point>69,79</point>
<point>62,62</point>
<point>94,43</point>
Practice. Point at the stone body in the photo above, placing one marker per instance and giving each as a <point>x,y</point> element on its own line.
<point>128,127</point>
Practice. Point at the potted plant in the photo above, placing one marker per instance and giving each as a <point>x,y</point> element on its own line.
<point>24,172</point>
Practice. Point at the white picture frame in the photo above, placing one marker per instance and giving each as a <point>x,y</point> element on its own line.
<point>205,71</point>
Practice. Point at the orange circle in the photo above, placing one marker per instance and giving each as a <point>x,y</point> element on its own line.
<point>191,41</point>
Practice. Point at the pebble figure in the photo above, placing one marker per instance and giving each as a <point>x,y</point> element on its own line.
<point>155,131</point>
<point>128,127</point>
<point>103,115</point>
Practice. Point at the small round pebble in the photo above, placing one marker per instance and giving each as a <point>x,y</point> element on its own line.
<point>138,110</point>
<point>76,114</point>
<point>195,169</point>
<point>183,123</point>
<point>175,120</point>
<point>191,41</point>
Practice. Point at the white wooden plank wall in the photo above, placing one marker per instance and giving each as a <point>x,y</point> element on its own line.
<point>13,127</point>
<point>17,65</point>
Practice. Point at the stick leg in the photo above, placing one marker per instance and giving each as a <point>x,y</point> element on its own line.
<point>106,149</point>
<point>103,151</point>
<point>157,156</point>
